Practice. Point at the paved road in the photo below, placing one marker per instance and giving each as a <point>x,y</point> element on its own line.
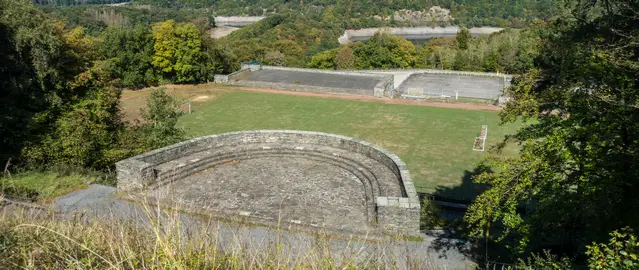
<point>435,252</point>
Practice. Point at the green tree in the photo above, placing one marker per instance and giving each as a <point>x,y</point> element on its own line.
<point>177,50</point>
<point>463,38</point>
<point>621,252</point>
<point>29,46</point>
<point>131,52</point>
<point>578,169</point>
<point>323,60</point>
<point>345,59</point>
<point>430,216</point>
<point>275,58</point>
<point>160,119</point>
<point>59,106</point>
<point>87,122</point>
<point>385,51</point>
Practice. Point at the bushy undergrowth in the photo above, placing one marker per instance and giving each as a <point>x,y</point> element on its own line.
<point>54,243</point>
<point>430,217</point>
<point>45,183</point>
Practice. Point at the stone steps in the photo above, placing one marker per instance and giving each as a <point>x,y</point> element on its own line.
<point>206,161</point>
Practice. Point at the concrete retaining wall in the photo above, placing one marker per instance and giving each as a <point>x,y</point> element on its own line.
<point>389,85</point>
<point>434,71</point>
<point>230,77</point>
<point>301,87</point>
<point>397,214</point>
<point>384,88</point>
<point>237,21</point>
<point>413,32</point>
<point>401,75</point>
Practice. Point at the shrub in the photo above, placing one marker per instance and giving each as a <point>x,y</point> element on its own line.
<point>621,252</point>
<point>160,119</point>
<point>430,217</point>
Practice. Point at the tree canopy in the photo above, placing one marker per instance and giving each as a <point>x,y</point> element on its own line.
<point>577,173</point>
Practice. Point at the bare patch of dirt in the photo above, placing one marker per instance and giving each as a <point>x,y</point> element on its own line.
<point>132,101</point>
<point>201,98</point>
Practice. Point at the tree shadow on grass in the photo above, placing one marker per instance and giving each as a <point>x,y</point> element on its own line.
<point>453,201</point>
<point>467,191</point>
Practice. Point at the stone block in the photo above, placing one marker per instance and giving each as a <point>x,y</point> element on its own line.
<point>382,201</point>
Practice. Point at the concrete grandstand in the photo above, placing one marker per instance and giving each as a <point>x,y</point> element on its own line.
<point>450,85</point>
<point>379,83</point>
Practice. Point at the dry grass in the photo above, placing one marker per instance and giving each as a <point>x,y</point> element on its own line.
<point>133,101</point>
<point>47,241</point>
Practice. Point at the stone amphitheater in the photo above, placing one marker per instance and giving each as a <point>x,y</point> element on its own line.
<point>309,180</point>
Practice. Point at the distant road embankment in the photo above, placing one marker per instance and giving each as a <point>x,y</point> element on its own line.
<point>413,32</point>
<point>236,21</point>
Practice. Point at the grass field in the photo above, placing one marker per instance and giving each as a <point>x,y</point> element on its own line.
<point>436,143</point>
<point>47,184</point>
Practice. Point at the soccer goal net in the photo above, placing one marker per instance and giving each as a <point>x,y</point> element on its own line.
<point>480,141</point>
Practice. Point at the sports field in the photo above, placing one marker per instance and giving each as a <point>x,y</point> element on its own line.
<point>436,143</point>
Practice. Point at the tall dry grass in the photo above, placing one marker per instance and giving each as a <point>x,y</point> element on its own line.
<point>31,240</point>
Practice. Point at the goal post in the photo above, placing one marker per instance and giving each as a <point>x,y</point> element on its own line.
<point>186,107</point>
<point>480,141</point>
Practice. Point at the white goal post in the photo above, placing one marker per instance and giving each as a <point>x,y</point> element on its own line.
<point>480,142</point>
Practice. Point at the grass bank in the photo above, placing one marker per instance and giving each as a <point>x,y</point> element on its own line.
<point>30,241</point>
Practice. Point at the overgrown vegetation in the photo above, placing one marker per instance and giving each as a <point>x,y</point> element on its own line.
<point>34,185</point>
<point>509,51</point>
<point>306,35</point>
<point>431,215</point>
<point>160,119</point>
<point>166,242</point>
<point>577,170</point>
<point>61,96</point>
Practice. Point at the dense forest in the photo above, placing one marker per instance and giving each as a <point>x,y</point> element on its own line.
<point>63,69</point>
<point>299,34</point>
<point>361,13</point>
<point>510,51</point>
<point>296,40</point>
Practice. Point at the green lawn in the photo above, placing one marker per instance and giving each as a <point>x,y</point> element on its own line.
<point>436,143</point>
<point>46,185</point>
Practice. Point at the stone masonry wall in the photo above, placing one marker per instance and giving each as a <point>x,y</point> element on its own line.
<point>230,77</point>
<point>237,21</point>
<point>301,87</point>
<point>384,88</point>
<point>396,214</point>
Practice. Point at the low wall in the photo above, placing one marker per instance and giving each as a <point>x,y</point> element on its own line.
<point>237,21</point>
<point>384,88</point>
<point>414,32</point>
<point>230,77</point>
<point>401,75</point>
<point>301,87</point>
<point>397,214</point>
<point>387,86</point>
<point>434,71</point>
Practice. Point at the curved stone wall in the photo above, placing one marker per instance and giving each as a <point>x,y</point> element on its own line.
<point>391,208</point>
